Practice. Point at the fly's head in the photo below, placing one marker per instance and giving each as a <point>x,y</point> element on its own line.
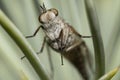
<point>47,15</point>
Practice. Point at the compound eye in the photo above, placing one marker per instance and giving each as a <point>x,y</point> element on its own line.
<point>50,15</point>
<point>55,11</point>
<point>46,17</point>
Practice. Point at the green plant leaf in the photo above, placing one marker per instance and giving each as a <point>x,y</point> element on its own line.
<point>97,38</point>
<point>110,74</point>
<point>20,40</point>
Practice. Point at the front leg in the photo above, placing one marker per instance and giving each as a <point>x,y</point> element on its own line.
<point>34,34</point>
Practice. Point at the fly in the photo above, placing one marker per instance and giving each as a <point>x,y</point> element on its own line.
<point>63,38</point>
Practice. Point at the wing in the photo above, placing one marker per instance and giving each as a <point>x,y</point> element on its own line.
<point>77,57</point>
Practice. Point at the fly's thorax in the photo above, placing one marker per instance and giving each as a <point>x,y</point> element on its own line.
<point>65,39</point>
<point>53,28</point>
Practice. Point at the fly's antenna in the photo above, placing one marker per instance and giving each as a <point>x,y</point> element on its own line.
<point>42,8</point>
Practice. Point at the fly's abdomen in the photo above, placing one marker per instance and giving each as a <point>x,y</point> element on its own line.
<point>77,57</point>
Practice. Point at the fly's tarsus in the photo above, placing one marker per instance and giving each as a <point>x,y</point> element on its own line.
<point>81,36</point>
<point>36,31</point>
<point>61,59</point>
<point>86,36</point>
<point>22,57</point>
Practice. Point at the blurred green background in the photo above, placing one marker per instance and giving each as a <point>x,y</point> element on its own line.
<point>24,14</point>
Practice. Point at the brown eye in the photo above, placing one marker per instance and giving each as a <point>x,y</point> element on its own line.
<point>42,18</point>
<point>55,11</point>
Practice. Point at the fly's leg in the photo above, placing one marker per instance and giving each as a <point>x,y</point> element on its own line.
<point>41,50</point>
<point>61,59</point>
<point>36,31</point>
<point>61,46</point>
<point>84,36</point>
<point>43,44</point>
<point>23,57</point>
